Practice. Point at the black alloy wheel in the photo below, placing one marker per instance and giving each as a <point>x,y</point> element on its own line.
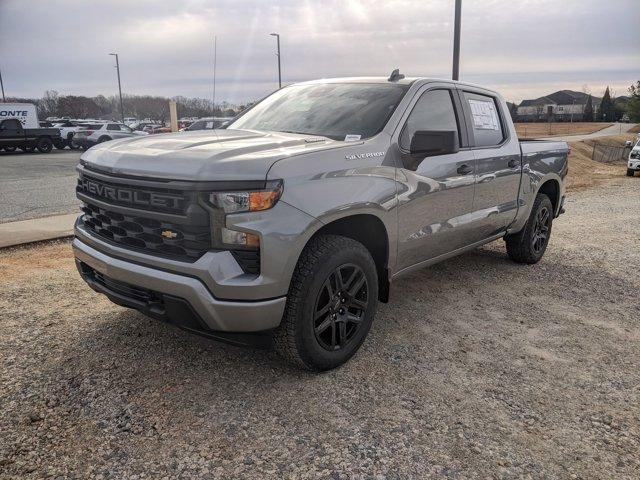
<point>340,307</point>
<point>541,227</point>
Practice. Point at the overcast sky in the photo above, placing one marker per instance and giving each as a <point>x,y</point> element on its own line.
<point>523,48</point>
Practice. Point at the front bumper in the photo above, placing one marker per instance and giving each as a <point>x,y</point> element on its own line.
<point>216,315</point>
<point>634,164</point>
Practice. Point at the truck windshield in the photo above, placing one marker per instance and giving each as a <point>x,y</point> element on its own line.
<point>336,110</point>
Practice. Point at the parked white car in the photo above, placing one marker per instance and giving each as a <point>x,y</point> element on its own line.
<point>93,133</point>
<point>68,129</point>
<point>633,165</point>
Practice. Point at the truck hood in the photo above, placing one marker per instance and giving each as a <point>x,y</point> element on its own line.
<point>203,156</point>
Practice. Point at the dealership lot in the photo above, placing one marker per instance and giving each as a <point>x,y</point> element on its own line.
<point>34,185</point>
<point>478,367</point>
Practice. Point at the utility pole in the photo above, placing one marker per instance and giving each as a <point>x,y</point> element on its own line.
<point>215,55</point>
<point>119,85</point>
<point>278,55</point>
<point>2,86</point>
<point>456,41</point>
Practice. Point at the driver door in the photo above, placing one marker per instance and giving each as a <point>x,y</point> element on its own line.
<point>436,192</point>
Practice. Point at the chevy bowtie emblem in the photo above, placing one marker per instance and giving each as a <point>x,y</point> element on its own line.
<point>169,234</point>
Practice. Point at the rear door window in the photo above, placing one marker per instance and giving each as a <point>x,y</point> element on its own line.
<point>113,126</point>
<point>486,124</point>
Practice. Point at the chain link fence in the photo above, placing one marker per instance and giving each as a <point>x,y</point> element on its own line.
<point>609,153</point>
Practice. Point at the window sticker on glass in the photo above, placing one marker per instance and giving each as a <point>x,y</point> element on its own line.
<point>484,115</point>
<point>209,125</point>
<point>351,138</point>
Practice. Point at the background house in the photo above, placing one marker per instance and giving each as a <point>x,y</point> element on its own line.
<point>560,106</point>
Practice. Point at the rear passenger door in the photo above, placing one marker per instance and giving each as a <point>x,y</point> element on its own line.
<point>435,192</point>
<point>113,129</point>
<point>498,162</point>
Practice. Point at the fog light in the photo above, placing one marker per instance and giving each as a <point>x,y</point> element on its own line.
<point>232,237</point>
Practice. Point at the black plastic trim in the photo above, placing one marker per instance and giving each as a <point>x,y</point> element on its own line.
<point>171,309</point>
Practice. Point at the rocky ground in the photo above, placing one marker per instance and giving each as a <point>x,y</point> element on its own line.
<point>477,368</point>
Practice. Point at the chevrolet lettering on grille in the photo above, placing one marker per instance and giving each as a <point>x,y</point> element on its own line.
<point>129,196</point>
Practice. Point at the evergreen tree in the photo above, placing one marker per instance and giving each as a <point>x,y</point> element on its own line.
<point>633,107</point>
<point>588,110</point>
<point>606,113</point>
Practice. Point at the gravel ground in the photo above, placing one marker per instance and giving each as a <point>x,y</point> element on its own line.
<point>478,368</point>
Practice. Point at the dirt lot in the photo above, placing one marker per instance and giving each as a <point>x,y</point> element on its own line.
<point>535,130</point>
<point>478,368</point>
<point>586,173</point>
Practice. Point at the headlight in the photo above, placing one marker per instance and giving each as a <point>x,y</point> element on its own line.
<point>253,201</point>
<point>237,202</point>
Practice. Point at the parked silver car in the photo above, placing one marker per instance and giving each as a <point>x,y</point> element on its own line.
<point>94,133</point>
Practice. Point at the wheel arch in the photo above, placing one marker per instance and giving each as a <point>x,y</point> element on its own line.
<point>551,188</point>
<point>370,231</point>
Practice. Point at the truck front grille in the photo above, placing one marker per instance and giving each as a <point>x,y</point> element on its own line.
<point>148,235</point>
<point>166,219</point>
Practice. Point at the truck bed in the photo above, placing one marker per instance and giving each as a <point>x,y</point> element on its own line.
<point>531,147</point>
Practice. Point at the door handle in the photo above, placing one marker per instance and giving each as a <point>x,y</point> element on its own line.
<point>464,169</point>
<point>514,162</point>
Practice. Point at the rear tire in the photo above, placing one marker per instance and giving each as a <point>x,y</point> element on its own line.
<point>60,144</point>
<point>331,304</point>
<point>45,145</point>
<point>630,172</point>
<point>530,243</point>
<point>9,149</point>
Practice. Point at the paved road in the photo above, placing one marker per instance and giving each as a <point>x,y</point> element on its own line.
<point>615,129</point>
<point>34,185</point>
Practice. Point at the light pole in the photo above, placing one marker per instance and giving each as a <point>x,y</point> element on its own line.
<point>215,57</point>
<point>456,41</point>
<point>119,85</point>
<point>278,55</point>
<point>2,86</point>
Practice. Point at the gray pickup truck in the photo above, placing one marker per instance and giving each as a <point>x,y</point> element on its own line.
<point>288,226</point>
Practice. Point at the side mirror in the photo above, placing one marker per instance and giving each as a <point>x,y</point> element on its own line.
<point>434,142</point>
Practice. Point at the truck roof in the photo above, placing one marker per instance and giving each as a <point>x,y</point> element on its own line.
<point>385,80</point>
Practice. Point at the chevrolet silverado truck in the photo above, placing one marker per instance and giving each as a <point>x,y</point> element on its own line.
<point>288,226</point>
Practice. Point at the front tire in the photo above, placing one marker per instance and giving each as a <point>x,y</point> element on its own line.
<point>45,145</point>
<point>104,139</point>
<point>630,172</point>
<point>9,149</point>
<point>331,304</point>
<point>530,243</point>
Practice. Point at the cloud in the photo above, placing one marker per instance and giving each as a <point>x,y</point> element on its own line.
<point>166,47</point>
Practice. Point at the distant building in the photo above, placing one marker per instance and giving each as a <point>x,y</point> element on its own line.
<point>561,106</point>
